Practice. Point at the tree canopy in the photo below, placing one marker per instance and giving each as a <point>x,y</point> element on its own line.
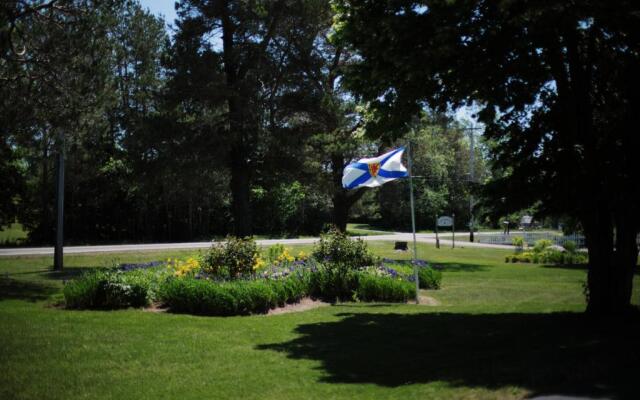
<point>558,93</point>
<point>237,121</point>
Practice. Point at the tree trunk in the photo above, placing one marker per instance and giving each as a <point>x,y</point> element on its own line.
<point>240,200</point>
<point>611,269</point>
<point>237,127</point>
<point>340,210</point>
<point>342,199</point>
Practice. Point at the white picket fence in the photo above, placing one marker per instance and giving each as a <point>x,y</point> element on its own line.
<point>531,237</point>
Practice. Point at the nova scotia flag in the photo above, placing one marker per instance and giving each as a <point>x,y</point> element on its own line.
<point>373,172</point>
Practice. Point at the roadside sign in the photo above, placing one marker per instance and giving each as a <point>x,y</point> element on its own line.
<point>445,221</point>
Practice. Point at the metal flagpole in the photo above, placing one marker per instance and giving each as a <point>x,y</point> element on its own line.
<point>413,225</point>
<point>58,258</point>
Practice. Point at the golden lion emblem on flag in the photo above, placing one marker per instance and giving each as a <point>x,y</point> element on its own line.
<point>374,168</point>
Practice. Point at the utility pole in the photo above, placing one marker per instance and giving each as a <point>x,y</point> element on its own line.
<point>58,252</point>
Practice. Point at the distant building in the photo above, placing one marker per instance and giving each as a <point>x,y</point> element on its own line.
<point>526,221</point>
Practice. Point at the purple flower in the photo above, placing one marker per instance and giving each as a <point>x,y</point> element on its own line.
<point>420,263</point>
<point>133,266</point>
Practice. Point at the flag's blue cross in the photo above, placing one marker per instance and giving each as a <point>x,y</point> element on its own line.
<point>375,169</point>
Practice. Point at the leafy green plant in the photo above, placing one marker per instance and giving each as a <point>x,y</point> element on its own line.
<point>570,246</point>
<point>238,297</point>
<point>549,256</point>
<point>336,250</point>
<point>274,253</point>
<point>331,284</point>
<point>518,242</point>
<point>232,259</point>
<point>381,288</point>
<point>111,289</point>
<point>541,245</point>
<point>429,278</point>
<point>197,296</point>
<point>291,289</point>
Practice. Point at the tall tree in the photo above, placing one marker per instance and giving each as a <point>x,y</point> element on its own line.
<point>81,76</point>
<point>253,41</point>
<point>337,138</point>
<point>558,84</point>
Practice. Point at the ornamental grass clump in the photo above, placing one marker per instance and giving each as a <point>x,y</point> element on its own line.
<point>383,288</point>
<point>239,297</point>
<point>429,278</point>
<point>333,284</point>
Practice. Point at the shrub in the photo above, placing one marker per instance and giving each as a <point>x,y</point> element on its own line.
<point>429,278</point>
<point>550,256</point>
<point>570,246</point>
<point>577,258</point>
<point>197,296</point>
<point>331,284</point>
<point>234,258</point>
<point>525,257</point>
<point>290,289</point>
<point>381,288</point>
<point>111,289</point>
<point>239,297</point>
<point>82,292</point>
<point>518,242</point>
<point>337,250</point>
<point>541,245</point>
<point>553,256</point>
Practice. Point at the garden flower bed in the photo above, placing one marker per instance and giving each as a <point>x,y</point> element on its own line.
<point>235,278</point>
<point>544,253</point>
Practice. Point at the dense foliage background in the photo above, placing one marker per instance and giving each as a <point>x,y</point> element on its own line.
<point>238,123</point>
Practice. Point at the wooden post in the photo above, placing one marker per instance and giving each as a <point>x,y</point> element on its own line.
<point>437,238</point>
<point>453,230</point>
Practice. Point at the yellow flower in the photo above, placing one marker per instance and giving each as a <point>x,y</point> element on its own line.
<point>184,267</point>
<point>258,263</point>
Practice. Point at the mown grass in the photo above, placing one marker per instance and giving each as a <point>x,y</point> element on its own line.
<point>356,229</point>
<point>500,331</point>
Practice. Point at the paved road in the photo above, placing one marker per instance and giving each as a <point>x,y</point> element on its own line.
<point>395,236</point>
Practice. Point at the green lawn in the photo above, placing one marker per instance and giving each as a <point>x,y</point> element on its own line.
<point>500,331</point>
<point>355,229</point>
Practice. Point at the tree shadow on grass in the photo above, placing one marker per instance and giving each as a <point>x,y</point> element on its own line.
<point>447,266</point>
<point>584,267</point>
<point>458,267</point>
<point>563,353</point>
<point>567,266</point>
<point>13,289</point>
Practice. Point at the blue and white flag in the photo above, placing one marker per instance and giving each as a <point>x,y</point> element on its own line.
<point>373,172</point>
